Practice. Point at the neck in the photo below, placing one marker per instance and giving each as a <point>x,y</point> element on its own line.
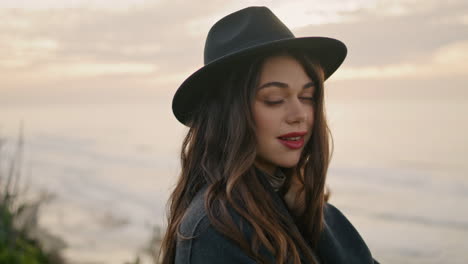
<point>276,179</point>
<point>265,167</point>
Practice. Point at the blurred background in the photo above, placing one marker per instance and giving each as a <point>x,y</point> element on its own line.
<point>88,85</point>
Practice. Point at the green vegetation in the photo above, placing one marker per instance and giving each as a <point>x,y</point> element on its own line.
<point>18,220</point>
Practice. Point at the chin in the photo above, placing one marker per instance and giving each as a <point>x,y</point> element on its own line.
<point>288,163</point>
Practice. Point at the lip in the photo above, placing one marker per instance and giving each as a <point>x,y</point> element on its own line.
<point>293,144</point>
<point>294,134</point>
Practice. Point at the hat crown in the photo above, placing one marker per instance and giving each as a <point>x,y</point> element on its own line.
<point>248,27</point>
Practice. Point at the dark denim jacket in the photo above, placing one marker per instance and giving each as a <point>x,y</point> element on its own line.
<point>339,243</point>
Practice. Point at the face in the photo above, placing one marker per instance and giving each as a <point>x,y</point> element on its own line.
<point>283,111</point>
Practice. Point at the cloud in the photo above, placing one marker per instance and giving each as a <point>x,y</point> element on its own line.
<point>95,69</point>
<point>375,38</point>
<point>158,44</point>
<point>301,13</point>
<point>171,33</point>
<point>448,61</point>
<point>44,47</point>
<point>20,52</point>
<point>59,4</point>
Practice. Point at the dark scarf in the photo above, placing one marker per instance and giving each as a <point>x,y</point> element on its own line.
<point>276,180</point>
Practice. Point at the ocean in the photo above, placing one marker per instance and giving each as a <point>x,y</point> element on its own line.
<point>398,172</point>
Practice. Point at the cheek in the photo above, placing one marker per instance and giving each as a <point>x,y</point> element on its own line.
<point>265,122</point>
<point>310,123</point>
<point>310,120</point>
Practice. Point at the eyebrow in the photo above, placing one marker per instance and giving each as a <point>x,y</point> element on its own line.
<point>284,85</point>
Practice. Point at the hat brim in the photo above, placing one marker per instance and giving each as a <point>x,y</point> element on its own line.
<point>328,52</point>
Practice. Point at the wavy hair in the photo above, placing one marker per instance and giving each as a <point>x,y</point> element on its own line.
<point>219,150</point>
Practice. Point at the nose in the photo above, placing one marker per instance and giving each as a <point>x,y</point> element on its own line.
<point>297,112</point>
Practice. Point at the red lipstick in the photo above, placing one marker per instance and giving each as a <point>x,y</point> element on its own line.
<point>294,140</point>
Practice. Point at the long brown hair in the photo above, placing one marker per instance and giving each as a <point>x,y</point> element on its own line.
<point>219,150</point>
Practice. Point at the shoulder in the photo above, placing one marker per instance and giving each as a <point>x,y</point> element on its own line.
<point>195,218</point>
<point>340,242</point>
<point>200,242</point>
<point>334,217</point>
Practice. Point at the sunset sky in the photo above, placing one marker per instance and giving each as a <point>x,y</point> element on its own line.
<point>119,51</point>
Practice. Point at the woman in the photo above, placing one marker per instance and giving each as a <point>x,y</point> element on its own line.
<point>254,161</point>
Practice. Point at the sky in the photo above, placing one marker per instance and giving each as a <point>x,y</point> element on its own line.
<point>97,51</point>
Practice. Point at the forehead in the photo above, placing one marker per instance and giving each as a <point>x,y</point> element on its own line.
<point>282,67</point>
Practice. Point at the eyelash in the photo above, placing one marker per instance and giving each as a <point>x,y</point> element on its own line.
<point>280,101</point>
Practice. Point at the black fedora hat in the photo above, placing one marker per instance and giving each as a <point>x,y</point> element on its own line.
<point>242,34</point>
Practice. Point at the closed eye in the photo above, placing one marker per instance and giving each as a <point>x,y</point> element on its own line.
<point>273,102</point>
